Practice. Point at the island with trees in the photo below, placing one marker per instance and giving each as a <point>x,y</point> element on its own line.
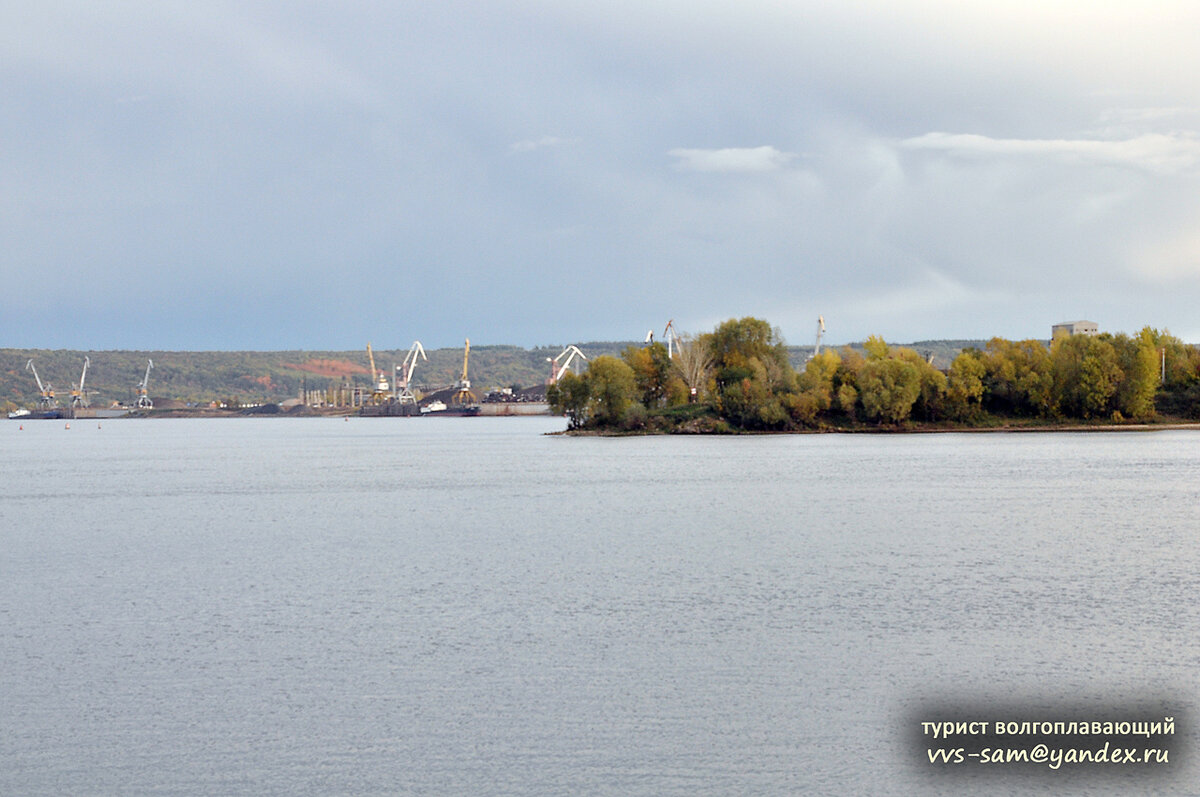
<point>738,379</point>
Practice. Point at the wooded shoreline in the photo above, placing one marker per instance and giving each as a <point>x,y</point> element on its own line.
<point>738,379</point>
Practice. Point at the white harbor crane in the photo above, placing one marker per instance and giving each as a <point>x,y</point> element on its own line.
<point>820,334</point>
<point>558,369</point>
<point>404,379</point>
<point>78,395</point>
<point>143,392</point>
<point>673,340</point>
<point>46,400</point>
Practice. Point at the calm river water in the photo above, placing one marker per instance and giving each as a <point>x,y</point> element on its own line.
<point>472,607</point>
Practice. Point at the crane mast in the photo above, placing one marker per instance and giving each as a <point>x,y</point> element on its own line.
<point>78,396</point>
<point>407,370</point>
<point>673,340</point>
<point>820,334</point>
<point>46,400</point>
<point>379,383</point>
<point>463,395</point>
<point>143,390</point>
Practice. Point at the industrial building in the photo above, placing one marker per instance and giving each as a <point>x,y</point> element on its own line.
<point>1074,328</point>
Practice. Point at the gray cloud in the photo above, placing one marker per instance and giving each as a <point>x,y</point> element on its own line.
<point>306,175</point>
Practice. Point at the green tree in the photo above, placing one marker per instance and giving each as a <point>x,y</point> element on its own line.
<point>847,399</point>
<point>651,371</point>
<point>888,388</point>
<point>1139,363</point>
<point>1085,376</point>
<point>876,348</point>
<point>569,396</point>
<point>845,381</point>
<point>1178,363</point>
<point>752,373</point>
<point>932,391</point>
<point>1179,371</point>
<point>964,385</point>
<point>612,388</point>
<point>817,380</point>
<point>737,343</point>
<point>1018,379</point>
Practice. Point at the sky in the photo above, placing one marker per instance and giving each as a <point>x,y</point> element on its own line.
<point>319,175</point>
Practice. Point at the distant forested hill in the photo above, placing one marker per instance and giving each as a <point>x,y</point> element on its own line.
<point>258,376</point>
<point>273,376</point>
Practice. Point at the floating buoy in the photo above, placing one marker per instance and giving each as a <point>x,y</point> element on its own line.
<point>21,429</point>
<point>68,426</point>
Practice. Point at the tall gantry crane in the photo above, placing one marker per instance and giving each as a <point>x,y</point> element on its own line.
<point>404,380</point>
<point>558,369</point>
<point>379,382</point>
<point>464,395</point>
<point>78,395</point>
<point>143,389</point>
<point>46,400</point>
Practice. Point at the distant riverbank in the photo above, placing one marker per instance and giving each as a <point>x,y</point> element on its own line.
<point>913,428</point>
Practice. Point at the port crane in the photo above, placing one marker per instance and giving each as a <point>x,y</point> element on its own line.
<point>557,369</point>
<point>143,392</point>
<point>46,400</point>
<point>464,395</point>
<point>379,382</point>
<point>820,334</point>
<point>78,395</point>
<point>673,340</point>
<point>404,380</point>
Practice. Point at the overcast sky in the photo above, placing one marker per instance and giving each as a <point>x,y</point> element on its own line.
<point>301,175</point>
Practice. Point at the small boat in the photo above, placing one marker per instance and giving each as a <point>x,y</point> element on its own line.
<point>19,413</point>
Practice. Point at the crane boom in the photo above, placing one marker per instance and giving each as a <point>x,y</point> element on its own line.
<point>38,379</point>
<point>143,399</point>
<point>417,351</point>
<point>673,340</point>
<point>410,361</point>
<point>46,398</point>
<point>557,369</point>
<point>379,383</point>
<point>463,395</point>
<point>78,397</point>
